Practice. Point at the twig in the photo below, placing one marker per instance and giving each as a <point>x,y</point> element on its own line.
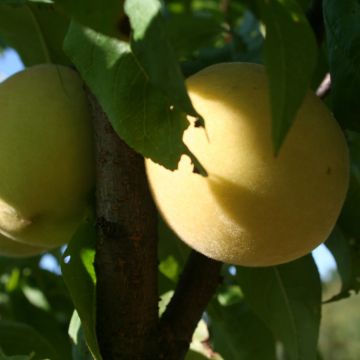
<point>196,286</point>
<point>126,250</point>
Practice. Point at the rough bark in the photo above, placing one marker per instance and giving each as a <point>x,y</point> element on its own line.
<point>126,250</point>
<point>126,262</point>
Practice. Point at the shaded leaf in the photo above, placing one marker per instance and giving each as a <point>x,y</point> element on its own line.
<point>20,339</point>
<point>80,349</point>
<point>287,298</point>
<point>43,322</point>
<point>190,32</point>
<point>237,333</point>
<point>139,113</point>
<point>304,4</point>
<point>290,57</point>
<point>106,18</point>
<point>16,357</point>
<point>35,30</point>
<point>342,20</point>
<point>79,275</point>
<point>154,53</point>
<point>346,253</point>
<point>349,218</point>
<point>172,254</point>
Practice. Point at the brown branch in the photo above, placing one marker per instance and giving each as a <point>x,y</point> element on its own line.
<point>195,289</point>
<point>126,249</point>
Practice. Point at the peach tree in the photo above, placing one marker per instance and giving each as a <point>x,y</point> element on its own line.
<point>124,286</point>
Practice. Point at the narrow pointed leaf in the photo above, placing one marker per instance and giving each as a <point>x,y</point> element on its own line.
<point>342,20</point>
<point>290,57</point>
<point>79,275</point>
<point>288,299</point>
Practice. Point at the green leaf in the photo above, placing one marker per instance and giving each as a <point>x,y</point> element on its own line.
<point>106,18</point>
<point>290,58</point>
<point>190,32</point>
<point>305,4</point>
<point>13,2</point>
<point>347,258</point>
<point>21,339</point>
<point>351,209</point>
<point>154,53</point>
<point>76,332</point>
<point>139,113</point>
<point>79,275</point>
<point>287,298</point>
<point>35,30</point>
<point>171,246</point>
<point>16,357</point>
<point>43,322</point>
<point>172,254</point>
<point>237,333</point>
<point>342,23</point>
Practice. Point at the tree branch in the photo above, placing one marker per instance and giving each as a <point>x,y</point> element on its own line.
<point>195,289</point>
<point>126,249</point>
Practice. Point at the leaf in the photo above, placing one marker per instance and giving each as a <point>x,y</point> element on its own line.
<point>305,4</point>
<point>290,57</point>
<point>139,113</point>
<point>287,298</point>
<point>80,349</point>
<point>237,333</point>
<point>190,32</point>
<point>20,339</point>
<point>346,253</point>
<point>154,53</point>
<point>106,18</point>
<point>351,209</point>
<point>342,23</point>
<point>16,357</point>
<point>344,243</point>
<point>43,322</point>
<point>36,31</point>
<point>172,254</point>
<point>79,275</point>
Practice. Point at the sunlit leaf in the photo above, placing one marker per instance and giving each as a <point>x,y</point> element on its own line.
<point>78,273</point>
<point>140,113</point>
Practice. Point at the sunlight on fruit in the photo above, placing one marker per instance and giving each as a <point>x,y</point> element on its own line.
<point>253,209</point>
<point>46,158</point>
